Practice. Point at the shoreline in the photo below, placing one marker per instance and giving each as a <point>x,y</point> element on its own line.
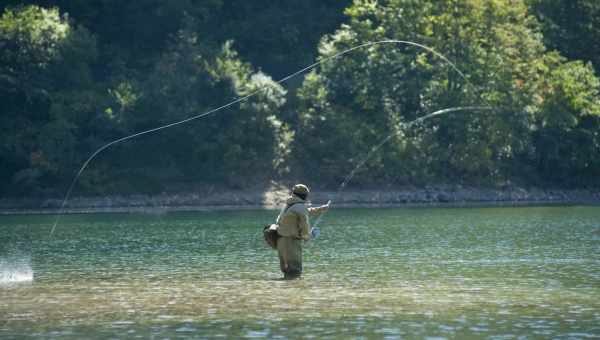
<point>164,210</point>
<point>275,196</point>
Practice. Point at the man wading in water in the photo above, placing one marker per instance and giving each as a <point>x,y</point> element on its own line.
<point>294,226</point>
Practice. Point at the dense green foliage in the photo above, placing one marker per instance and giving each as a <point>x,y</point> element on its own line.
<point>75,75</point>
<point>356,100</point>
<point>571,27</point>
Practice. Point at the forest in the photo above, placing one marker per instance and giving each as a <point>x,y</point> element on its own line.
<point>77,74</point>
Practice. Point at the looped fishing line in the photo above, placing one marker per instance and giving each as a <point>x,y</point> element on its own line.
<point>236,101</point>
<point>374,149</point>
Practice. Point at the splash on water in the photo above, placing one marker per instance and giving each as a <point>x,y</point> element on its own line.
<point>15,270</point>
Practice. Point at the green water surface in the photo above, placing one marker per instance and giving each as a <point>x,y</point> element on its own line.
<point>373,273</point>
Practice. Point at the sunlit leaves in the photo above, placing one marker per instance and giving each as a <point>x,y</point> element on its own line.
<point>32,33</point>
<point>352,101</point>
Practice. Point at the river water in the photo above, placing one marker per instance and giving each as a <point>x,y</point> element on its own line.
<point>373,273</point>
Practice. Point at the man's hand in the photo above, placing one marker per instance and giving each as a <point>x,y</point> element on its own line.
<point>315,232</point>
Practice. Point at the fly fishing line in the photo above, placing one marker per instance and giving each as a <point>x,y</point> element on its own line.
<point>378,146</point>
<point>239,100</point>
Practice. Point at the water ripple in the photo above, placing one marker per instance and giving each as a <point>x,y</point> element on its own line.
<point>392,273</point>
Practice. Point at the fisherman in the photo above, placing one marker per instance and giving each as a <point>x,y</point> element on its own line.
<point>294,227</point>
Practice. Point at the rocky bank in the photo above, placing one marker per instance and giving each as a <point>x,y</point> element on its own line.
<point>276,194</point>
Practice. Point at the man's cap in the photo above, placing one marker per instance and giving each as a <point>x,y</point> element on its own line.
<point>300,189</point>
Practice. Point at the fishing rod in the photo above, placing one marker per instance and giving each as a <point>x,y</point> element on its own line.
<point>239,100</point>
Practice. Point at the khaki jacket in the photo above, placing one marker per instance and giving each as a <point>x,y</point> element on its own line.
<point>294,222</point>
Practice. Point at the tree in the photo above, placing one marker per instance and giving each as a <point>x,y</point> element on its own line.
<point>40,53</point>
<point>571,27</point>
<point>360,98</point>
<point>567,135</point>
<point>191,78</point>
